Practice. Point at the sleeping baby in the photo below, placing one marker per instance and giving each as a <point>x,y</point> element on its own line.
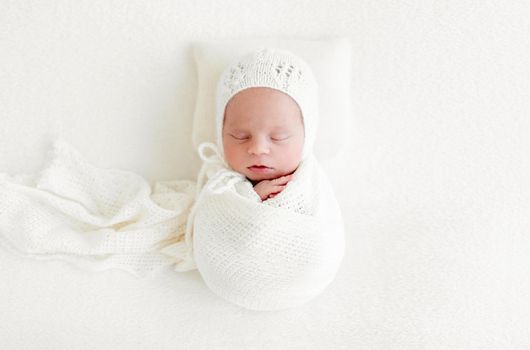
<point>263,136</point>
<point>265,230</point>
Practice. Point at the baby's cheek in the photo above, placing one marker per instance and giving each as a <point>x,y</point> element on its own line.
<point>292,158</point>
<point>231,157</point>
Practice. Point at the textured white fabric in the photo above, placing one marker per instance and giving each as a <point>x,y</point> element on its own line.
<point>274,68</point>
<point>94,217</point>
<point>267,255</point>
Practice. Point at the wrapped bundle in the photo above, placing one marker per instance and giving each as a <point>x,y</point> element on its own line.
<point>268,255</point>
<point>265,254</point>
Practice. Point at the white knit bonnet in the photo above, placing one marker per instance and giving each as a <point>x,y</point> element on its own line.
<point>274,68</point>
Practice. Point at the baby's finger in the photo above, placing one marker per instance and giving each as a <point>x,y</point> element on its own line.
<point>282,180</point>
<point>279,188</point>
<point>274,194</point>
<point>276,190</point>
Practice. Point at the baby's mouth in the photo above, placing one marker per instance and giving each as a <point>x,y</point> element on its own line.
<point>260,169</point>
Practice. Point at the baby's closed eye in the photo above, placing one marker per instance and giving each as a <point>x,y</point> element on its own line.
<point>239,137</point>
<point>273,138</point>
<point>280,137</point>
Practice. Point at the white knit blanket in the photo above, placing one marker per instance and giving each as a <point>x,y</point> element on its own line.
<point>261,255</point>
<point>267,255</point>
<point>94,217</point>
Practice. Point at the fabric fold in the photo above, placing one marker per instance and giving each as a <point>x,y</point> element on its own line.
<point>95,217</point>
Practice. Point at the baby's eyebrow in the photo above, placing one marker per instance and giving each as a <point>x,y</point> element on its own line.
<point>239,129</point>
<point>235,129</point>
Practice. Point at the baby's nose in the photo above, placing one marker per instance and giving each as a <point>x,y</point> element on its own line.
<point>258,146</point>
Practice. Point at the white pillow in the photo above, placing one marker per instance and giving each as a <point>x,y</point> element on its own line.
<point>330,61</point>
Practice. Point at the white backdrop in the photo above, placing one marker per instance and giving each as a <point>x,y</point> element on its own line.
<point>437,203</point>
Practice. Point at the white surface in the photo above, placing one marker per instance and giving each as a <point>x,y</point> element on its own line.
<point>437,218</point>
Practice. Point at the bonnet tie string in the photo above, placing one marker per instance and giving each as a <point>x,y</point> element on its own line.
<point>217,185</point>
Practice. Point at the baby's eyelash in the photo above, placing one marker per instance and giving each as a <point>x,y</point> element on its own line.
<point>239,138</point>
<point>280,137</point>
<point>242,138</point>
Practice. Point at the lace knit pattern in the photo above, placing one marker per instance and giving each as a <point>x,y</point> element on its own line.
<point>277,69</point>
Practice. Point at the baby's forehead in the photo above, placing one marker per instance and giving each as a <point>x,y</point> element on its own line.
<point>272,124</point>
<point>271,127</point>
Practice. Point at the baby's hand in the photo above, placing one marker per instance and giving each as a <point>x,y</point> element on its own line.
<point>270,188</point>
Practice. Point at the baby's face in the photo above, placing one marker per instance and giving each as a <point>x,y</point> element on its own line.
<point>263,127</point>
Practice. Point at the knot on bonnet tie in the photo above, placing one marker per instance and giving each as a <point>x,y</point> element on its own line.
<point>222,169</point>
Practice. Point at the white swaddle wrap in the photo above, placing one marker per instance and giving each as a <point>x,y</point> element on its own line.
<point>273,254</point>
